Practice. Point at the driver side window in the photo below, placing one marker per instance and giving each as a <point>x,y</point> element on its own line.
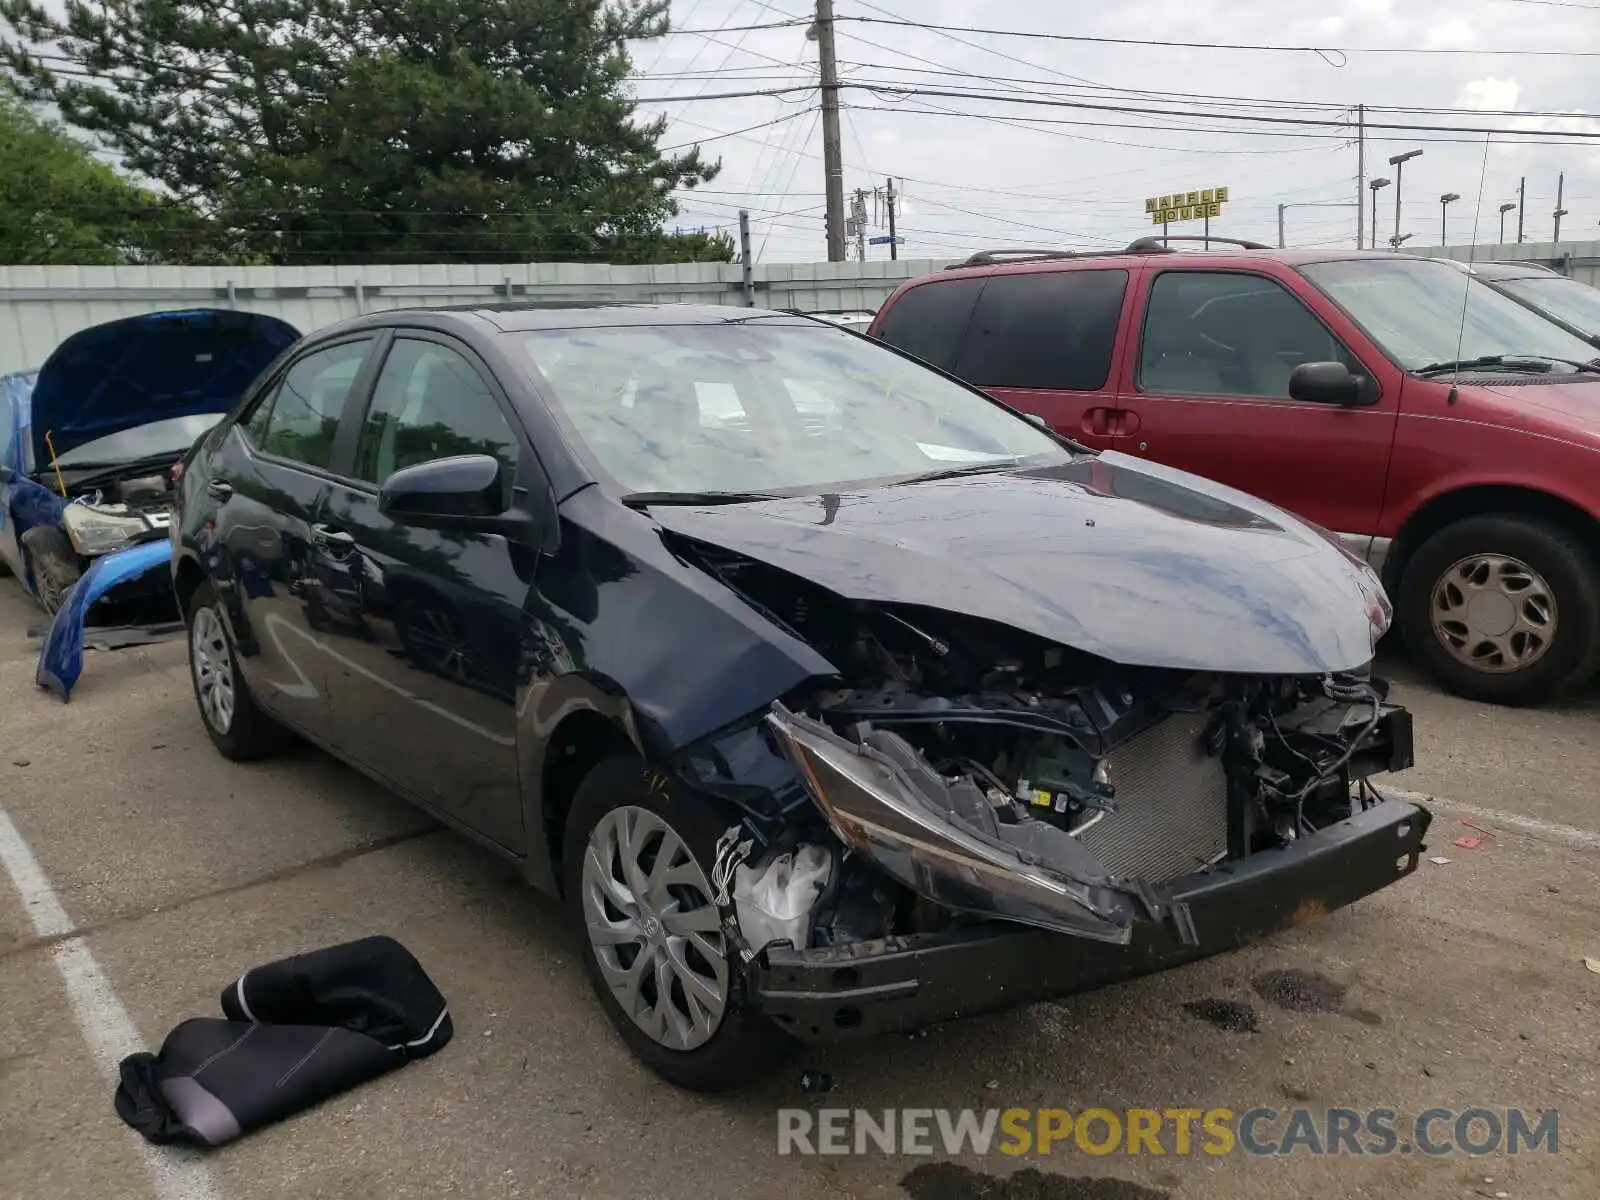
<point>430,402</point>
<point>1229,334</point>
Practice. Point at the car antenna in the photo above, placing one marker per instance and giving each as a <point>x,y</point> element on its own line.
<point>1466,295</point>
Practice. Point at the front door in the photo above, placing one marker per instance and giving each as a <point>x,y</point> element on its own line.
<point>425,681</point>
<point>268,486</point>
<point>1208,392</point>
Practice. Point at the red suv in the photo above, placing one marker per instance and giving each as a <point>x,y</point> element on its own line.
<point>1449,434</point>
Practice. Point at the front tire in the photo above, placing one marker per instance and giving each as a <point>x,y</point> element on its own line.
<point>1503,609</point>
<point>233,720</point>
<point>636,871</point>
<point>53,563</point>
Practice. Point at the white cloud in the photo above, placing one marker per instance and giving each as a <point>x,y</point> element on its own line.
<point>1451,33</point>
<point>1488,95</point>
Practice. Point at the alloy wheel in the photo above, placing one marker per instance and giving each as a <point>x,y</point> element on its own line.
<point>213,669</point>
<point>654,928</point>
<point>1494,613</point>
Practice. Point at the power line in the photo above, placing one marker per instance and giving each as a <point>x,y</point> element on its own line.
<point>733,133</point>
<point>1213,98</point>
<point>1312,122</point>
<point>1038,35</point>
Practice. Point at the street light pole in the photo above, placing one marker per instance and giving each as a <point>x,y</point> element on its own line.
<point>1376,186</point>
<point>1398,162</point>
<point>1504,209</point>
<point>1444,224</point>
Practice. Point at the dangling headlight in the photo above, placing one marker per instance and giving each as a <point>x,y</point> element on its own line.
<point>94,531</point>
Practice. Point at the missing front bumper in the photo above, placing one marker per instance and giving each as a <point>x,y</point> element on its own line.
<point>903,983</point>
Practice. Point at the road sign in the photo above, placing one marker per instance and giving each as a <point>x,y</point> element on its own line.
<point>1186,206</point>
<point>886,241</point>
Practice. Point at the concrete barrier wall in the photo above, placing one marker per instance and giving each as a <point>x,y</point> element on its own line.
<point>40,306</point>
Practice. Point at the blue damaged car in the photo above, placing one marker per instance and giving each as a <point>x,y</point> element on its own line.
<point>89,440</point>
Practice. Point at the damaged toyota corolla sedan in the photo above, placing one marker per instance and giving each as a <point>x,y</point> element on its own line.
<point>833,696</point>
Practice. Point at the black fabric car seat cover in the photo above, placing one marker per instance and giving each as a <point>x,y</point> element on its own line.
<point>296,1032</point>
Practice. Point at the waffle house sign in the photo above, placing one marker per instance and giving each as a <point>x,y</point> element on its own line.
<point>1186,206</point>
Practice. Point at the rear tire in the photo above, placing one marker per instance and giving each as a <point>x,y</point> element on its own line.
<point>233,720</point>
<point>1486,591</point>
<point>743,1044</point>
<point>54,565</point>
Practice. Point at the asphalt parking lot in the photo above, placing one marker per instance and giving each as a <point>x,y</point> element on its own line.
<point>1462,986</point>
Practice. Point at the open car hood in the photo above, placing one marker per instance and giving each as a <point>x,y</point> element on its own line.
<point>1133,562</point>
<point>130,372</point>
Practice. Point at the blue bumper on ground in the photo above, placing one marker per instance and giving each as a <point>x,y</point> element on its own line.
<point>61,658</point>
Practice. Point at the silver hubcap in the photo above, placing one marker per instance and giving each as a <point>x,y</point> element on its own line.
<point>1494,613</point>
<point>654,929</point>
<point>213,669</point>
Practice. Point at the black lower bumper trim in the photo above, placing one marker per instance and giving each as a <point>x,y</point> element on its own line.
<point>903,983</point>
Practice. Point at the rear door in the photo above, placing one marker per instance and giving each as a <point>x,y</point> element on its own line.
<point>1208,391</point>
<point>1043,343</point>
<point>425,676</point>
<point>267,486</point>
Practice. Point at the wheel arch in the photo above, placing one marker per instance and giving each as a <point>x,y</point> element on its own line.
<point>1479,500</point>
<point>579,740</point>
<point>187,576</point>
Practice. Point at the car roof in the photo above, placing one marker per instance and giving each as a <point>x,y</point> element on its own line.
<point>1096,259</point>
<point>1513,270</point>
<point>531,316</point>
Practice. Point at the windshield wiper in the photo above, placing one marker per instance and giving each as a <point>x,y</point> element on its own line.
<point>1001,464</point>
<point>645,499</point>
<point>1524,362</point>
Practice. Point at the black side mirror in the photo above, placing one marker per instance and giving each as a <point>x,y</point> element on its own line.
<point>1328,383</point>
<point>466,493</point>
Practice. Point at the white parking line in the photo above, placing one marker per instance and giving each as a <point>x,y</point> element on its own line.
<point>1553,831</point>
<point>176,1174</point>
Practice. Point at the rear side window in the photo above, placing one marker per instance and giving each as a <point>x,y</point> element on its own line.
<point>928,321</point>
<point>1052,330</point>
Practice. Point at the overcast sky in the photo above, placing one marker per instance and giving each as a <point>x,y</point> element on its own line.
<point>1014,179</point>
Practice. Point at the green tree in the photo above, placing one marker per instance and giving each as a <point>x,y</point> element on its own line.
<point>60,204</point>
<point>396,130</point>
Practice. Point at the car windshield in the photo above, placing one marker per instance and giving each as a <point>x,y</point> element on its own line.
<point>1413,309</point>
<point>172,436</point>
<point>1567,300</point>
<point>767,405</point>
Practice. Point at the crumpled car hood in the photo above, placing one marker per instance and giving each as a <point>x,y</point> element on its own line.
<point>1114,556</point>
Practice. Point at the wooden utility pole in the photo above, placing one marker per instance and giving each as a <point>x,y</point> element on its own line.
<point>894,244</point>
<point>832,148</point>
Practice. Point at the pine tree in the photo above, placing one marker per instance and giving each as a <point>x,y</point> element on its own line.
<point>375,130</point>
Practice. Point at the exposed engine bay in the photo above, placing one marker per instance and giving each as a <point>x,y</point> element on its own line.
<point>989,773</point>
<point>117,513</point>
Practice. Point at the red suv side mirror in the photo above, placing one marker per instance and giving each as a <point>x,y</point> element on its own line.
<point>1328,383</point>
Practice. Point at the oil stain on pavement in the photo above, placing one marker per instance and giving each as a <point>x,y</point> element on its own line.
<point>1300,991</point>
<point>952,1181</point>
<point>1303,991</point>
<point>1230,1016</point>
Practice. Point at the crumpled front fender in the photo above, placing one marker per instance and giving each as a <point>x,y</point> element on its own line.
<point>61,657</point>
